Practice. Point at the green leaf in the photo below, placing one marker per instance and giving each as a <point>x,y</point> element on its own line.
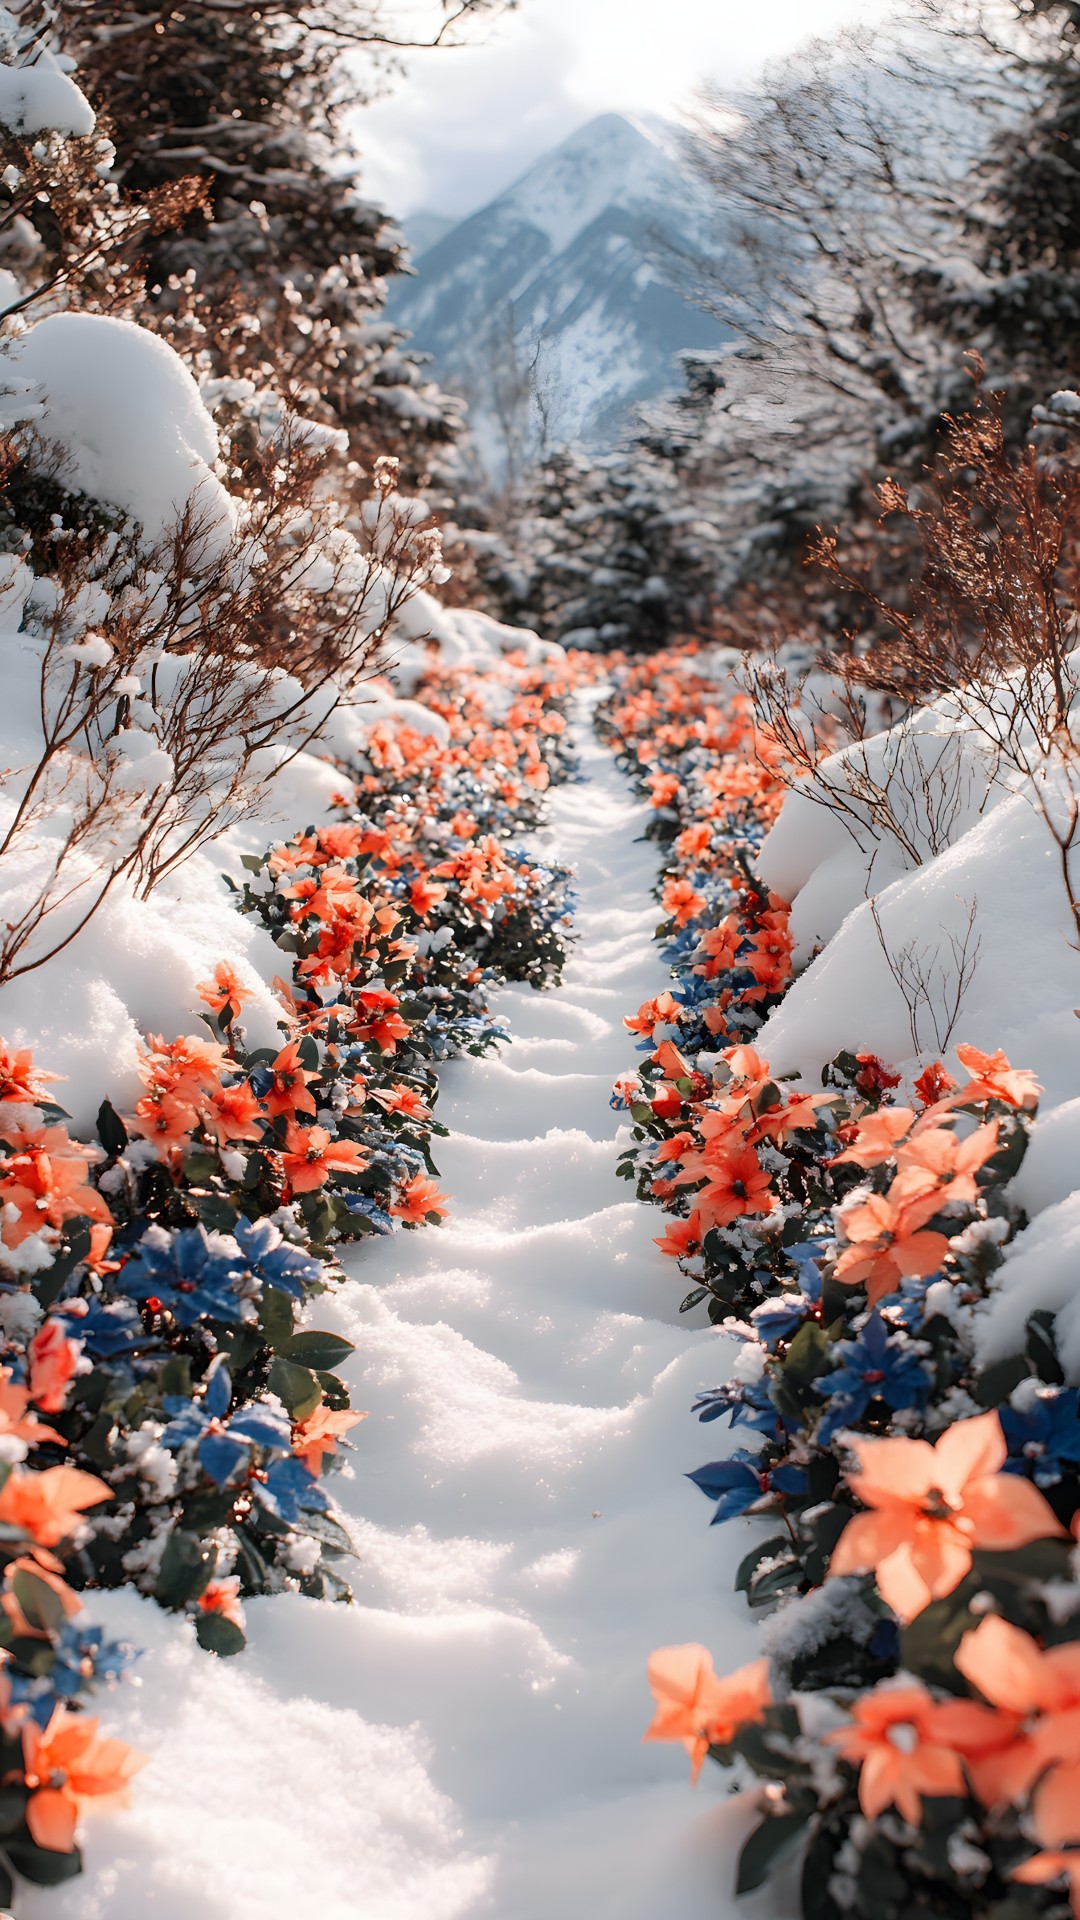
<point>774,1841</point>
<point>240,1345</point>
<point>185,1571</point>
<point>335,1392</point>
<point>693,1298</point>
<point>296,1388</point>
<point>1042,1348</point>
<point>766,1551</point>
<point>817,1872</point>
<point>808,1355</point>
<point>12,1814</point>
<point>777,1580</point>
<point>41,1605</point>
<point>43,1868</point>
<point>994,1385</point>
<point>46,1286</point>
<point>111,1130</point>
<point>276,1318</point>
<point>217,1214</point>
<point>317,1350</point>
<point>219,1635</point>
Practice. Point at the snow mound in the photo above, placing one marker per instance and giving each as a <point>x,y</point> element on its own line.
<point>1023,987</point>
<point>43,99</point>
<point>121,420</point>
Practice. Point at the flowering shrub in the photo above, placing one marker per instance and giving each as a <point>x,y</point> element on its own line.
<point>913,1719</point>
<point>169,1407</point>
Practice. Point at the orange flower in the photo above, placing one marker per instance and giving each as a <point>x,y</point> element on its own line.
<point>1042,1868</point>
<point>54,1360</point>
<point>234,1113</point>
<point>1021,1679</point>
<point>936,1161</point>
<point>887,1241</point>
<point>312,1155</point>
<point>20,1080</point>
<point>748,1070</point>
<point>45,1179</point>
<point>401,1099</point>
<point>877,1137</point>
<point>741,1186</point>
<point>696,1707</point>
<point>165,1120</point>
<point>288,1090</point>
<point>681,900</point>
<point>904,1746</point>
<point>223,1596</point>
<point>934,1083</point>
<point>425,894</point>
<point>14,1419</point>
<point>683,1237</point>
<point>418,1198</point>
<point>651,1014</point>
<point>49,1505</point>
<point>67,1764</point>
<point>100,1240</point>
<point>667,1103</point>
<point>186,1067</point>
<point>930,1506</point>
<point>315,1437</point>
<point>224,990</point>
<point>994,1079</point>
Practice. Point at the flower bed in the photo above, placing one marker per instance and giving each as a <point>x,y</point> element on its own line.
<point>913,1713</point>
<point>168,1402</point>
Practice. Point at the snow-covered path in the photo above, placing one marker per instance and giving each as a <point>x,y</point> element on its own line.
<point>466,1740</point>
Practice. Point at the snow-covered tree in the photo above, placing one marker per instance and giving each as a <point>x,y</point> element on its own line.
<point>608,553</point>
<point>283,265</point>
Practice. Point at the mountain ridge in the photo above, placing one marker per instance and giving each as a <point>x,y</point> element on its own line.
<point>561,278</point>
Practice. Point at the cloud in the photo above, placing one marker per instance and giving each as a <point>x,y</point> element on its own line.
<point>463,123</point>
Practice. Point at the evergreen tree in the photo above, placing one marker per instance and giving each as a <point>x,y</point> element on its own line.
<point>609,554</point>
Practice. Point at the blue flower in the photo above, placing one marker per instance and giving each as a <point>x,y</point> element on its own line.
<point>192,1273</point>
<point>82,1658</point>
<point>780,1318</point>
<point>225,1448</point>
<point>738,1483</point>
<point>746,1405</point>
<point>873,1367</point>
<point>363,1203</point>
<point>273,1260</point>
<point>1044,1438</point>
<point>107,1331</point>
<point>290,1491</point>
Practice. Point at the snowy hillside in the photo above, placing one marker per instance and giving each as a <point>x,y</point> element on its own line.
<point>578,260</point>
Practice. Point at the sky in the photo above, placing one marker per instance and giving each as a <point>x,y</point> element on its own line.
<point>463,122</point>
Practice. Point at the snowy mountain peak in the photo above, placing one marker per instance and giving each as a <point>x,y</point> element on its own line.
<point>611,161</point>
<point>566,272</point>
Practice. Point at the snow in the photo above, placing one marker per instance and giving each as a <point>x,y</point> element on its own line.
<point>43,99</point>
<point>466,1739</point>
<point>1040,1272</point>
<point>121,414</point>
<point>1021,996</point>
<point>1024,987</point>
